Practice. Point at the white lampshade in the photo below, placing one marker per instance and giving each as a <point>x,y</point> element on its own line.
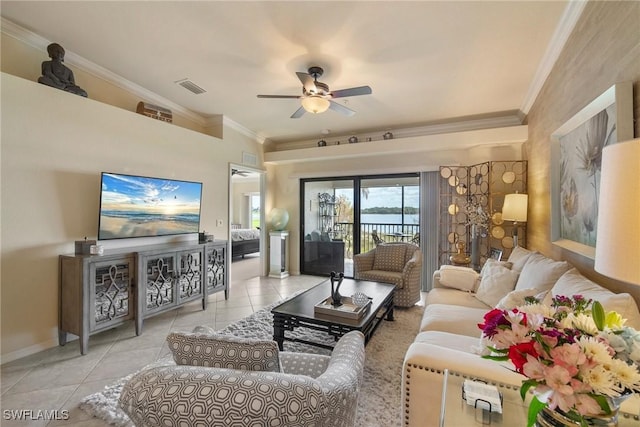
<point>315,104</point>
<point>515,207</point>
<point>618,236</point>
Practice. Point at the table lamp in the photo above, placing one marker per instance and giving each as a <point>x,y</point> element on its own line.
<point>618,236</point>
<point>515,209</point>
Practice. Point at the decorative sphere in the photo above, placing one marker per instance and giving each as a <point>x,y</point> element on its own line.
<point>278,218</point>
<point>360,299</point>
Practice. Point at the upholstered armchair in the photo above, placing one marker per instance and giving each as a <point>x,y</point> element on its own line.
<point>397,263</point>
<point>299,389</point>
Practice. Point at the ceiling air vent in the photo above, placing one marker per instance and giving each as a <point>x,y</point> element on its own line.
<point>191,86</point>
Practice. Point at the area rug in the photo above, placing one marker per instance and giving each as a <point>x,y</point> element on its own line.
<point>379,400</point>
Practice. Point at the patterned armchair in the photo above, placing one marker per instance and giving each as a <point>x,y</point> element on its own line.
<point>311,390</point>
<point>397,263</point>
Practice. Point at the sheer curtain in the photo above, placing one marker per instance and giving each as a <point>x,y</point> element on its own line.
<point>429,226</point>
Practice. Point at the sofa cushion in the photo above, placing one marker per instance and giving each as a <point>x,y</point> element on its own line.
<point>461,357</point>
<point>448,340</point>
<point>390,257</point>
<point>392,277</point>
<point>456,277</point>
<point>453,319</point>
<point>223,351</point>
<point>454,297</point>
<point>573,283</point>
<point>519,257</point>
<point>541,272</point>
<point>495,283</point>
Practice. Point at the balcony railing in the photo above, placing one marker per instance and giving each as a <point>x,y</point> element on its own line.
<point>386,232</point>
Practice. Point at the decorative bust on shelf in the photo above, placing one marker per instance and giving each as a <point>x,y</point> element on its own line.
<point>56,74</point>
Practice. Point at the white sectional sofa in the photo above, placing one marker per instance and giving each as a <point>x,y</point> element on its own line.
<point>449,337</point>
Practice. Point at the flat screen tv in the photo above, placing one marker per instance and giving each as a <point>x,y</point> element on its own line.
<point>139,206</point>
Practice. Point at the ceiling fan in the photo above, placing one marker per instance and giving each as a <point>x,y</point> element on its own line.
<point>316,96</point>
<point>240,172</point>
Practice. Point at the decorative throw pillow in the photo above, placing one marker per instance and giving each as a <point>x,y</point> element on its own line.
<point>490,261</point>
<point>495,284</point>
<point>519,257</point>
<point>573,283</point>
<point>462,278</point>
<point>224,351</point>
<point>541,272</point>
<point>389,258</point>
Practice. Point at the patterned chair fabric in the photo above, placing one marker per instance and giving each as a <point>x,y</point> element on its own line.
<point>383,266</point>
<point>223,351</point>
<point>312,391</point>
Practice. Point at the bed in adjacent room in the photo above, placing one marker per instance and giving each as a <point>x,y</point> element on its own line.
<point>245,241</point>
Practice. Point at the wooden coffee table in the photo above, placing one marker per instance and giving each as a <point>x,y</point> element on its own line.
<point>299,312</point>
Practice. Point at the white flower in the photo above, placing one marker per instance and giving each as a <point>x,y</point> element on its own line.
<point>539,310</point>
<point>601,381</point>
<point>580,321</point>
<point>626,374</point>
<point>594,350</point>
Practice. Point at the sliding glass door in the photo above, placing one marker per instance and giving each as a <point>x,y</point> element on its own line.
<point>342,217</point>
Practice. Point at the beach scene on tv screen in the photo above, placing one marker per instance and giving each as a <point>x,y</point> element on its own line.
<point>133,206</point>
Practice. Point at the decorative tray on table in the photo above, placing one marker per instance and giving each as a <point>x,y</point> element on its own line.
<point>348,309</point>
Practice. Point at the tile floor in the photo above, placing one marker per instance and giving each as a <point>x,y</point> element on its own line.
<point>57,378</point>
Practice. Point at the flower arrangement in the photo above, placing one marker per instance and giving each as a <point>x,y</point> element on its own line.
<point>477,218</point>
<point>574,354</point>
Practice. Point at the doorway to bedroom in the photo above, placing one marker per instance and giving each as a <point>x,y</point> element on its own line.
<point>245,223</point>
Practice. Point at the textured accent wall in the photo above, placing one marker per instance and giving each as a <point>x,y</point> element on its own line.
<point>603,49</point>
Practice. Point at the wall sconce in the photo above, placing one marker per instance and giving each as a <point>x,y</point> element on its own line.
<point>515,209</point>
<point>618,236</point>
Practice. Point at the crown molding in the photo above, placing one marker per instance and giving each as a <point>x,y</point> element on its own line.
<point>226,121</point>
<point>565,27</point>
<point>32,39</point>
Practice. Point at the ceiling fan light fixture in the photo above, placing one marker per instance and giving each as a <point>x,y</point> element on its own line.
<point>315,104</point>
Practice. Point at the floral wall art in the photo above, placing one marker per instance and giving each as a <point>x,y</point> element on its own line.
<point>576,160</point>
<point>580,167</point>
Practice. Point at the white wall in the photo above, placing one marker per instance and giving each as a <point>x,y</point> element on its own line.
<point>54,146</point>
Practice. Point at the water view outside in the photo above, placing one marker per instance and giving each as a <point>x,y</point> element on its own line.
<point>381,211</point>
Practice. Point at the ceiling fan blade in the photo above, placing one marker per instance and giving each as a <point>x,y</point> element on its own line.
<point>299,112</point>
<point>354,91</point>
<point>307,82</point>
<point>341,109</point>
<point>280,96</point>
